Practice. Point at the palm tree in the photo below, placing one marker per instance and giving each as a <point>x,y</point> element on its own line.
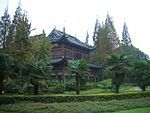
<point>37,72</point>
<point>79,68</point>
<point>142,74</point>
<point>117,63</point>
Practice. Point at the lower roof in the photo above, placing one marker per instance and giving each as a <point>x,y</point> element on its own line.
<point>59,61</point>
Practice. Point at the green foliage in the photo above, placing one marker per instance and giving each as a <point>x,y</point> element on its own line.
<point>5,24</point>
<point>126,41</point>
<point>37,71</point>
<point>41,48</point>
<point>12,87</point>
<point>6,68</point>
<point>21,44</point>
<point>76,107</point>
<point>80,69</point>
<point>111,33</point>
<point>96,29</point>
<point>70,84</point>
<point>28,87</point>
<point>106,84</point>
<point>117,63</point>
<point>137,110</point>
<point>134,53</point>
<point>56,87</point>
<point>72,98</point>
<point>106,41</point>
<point>141,74</point>
<point>78,66</point>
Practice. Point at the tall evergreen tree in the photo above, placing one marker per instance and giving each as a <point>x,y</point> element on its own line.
<point>96,28</point>
<point>19,43</point>
<point>87,38</point>
<point>107,41</point>
<point>111,33</point>
<point>129,49</point>
<point>102,45</point>
<point>126,40</point>
<point>13,28</point>
<point>5,24</point>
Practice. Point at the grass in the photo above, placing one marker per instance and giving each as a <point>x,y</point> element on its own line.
<point>76,107</point>
<point>123,88</point>
<point>137,110</point>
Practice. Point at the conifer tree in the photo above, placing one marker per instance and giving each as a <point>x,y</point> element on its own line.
<point>101,45</point>
<point>126,40</point>
<point>87,38</point>
<point>111,33</point>
<point>19,43</point>
<point>96,28</point>
<point>107,41</point>
<point>4,28</point>
<point>12,31</point>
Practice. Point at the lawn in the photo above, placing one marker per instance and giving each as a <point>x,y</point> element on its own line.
<point>76,107</point>
<point>137,110</point>
<point>123,88</point>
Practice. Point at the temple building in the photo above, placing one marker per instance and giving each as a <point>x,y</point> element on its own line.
<point>65,48</point>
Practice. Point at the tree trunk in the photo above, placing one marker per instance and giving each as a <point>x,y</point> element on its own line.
<point>1,83</point>
<point>117,88</point>
<point>143,88</point>
<point>1,87</point>
<point>77,77</point>
<point>36,88</point>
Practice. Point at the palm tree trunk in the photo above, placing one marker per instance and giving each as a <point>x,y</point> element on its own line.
<point>1,83</point>
<point>77,77</point>
<point>117,88</point>
<point>36,88</point>
<point>143,88</point>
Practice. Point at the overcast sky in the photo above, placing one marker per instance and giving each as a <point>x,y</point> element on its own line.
<point>78,17</point>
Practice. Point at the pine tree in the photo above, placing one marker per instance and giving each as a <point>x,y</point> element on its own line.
<point>96,28</point>
<point>21,42</point>
<point>126,40</point>
<point>12,31</point>
<point>18,40</point>
<point>107,41</point>
<point>87,38</point>
<point>4,28</point>
<point>111,33</point>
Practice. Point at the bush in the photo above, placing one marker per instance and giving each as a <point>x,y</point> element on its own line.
<point>56,87</point>
<point>12,87</point>
<point>106,84</point>
<point>70,84</point>
<point>6,99</point>
<point>89,85</point>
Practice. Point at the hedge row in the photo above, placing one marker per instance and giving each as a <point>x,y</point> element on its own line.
<point>7,99</point>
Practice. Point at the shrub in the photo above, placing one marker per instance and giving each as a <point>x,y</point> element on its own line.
<point>6,99</point>
<point>70,84</point>
<point>56,87</point>
<point>13,87</point>
<point>106,84</point>
<point>90,85</point>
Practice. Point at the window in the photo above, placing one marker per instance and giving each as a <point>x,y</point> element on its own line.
<point>77,56</point>
<point>56,54</point>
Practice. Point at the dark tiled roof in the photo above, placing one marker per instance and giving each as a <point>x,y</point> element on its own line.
<point>56,36</point>
<point>92,66</point>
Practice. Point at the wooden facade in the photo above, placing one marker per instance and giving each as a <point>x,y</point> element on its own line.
<point>67,47</point>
